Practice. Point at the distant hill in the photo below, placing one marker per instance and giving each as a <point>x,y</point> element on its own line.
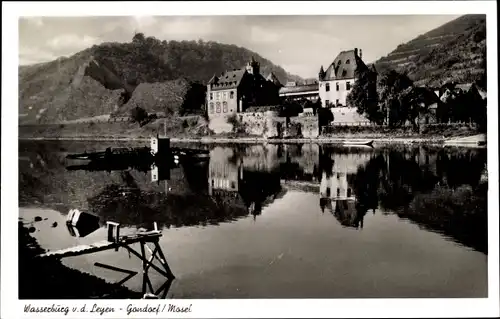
<point>103,78</point>
<point>455,51</point>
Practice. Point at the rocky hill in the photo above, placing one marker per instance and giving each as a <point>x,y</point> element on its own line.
<point>114,77</point>
<point>455,51</point>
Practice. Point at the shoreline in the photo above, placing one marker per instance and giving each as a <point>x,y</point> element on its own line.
<point>260,140</point>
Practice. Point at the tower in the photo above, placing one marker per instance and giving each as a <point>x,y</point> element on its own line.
<point>321,74</point>
<point>253,67</point>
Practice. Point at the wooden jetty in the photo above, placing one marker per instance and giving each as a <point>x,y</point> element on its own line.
<point>115,241</point>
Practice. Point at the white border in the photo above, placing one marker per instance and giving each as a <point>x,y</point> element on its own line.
<point>11,307</point>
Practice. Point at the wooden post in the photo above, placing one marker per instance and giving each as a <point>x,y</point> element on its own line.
<point>164,261</point>
<point>113,233</point>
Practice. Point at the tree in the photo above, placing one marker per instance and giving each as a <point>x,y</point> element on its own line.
<point>480,116</point>
<point>316,106</point>
<point>415,101</point>
<point>394,89</point>
<point>325,117</point>
<point>289,108</point>
<point>194,99</point>
<point>138,38</point>
<point>364,95</point>
<point>138,114</point>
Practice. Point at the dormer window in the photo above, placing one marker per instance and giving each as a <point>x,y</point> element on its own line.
<point>338,63</point>
<point>344,72</point>
<point>348,62</point>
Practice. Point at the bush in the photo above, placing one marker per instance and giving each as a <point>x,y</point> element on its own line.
<point>138,114</point>
<point>238,127</point>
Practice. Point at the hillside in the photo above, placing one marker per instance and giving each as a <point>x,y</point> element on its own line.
<point>103,78</point>
<point>455,51</point>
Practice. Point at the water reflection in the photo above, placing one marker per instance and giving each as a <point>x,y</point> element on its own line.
<point>241,181</point>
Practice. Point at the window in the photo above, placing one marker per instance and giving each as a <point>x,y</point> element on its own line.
<point>337,102</point>
<point>217,107</point>
<point>327,87</point>
<point>218,96</point>
<point>211,109</point>
<point>338,192</point>
<point>349,192</point>
<point>224,95</point>
<point>338,87</point>
<point>348,86</point>
<point>344,72</point>
<point>338,63</point>
<point>347,61</point>
<point>231,95</point>
<point>327,102</point>
<point>224,107</point>
<point>211,96</point>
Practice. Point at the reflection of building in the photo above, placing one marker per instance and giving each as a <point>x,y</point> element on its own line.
<point>222,174</point>
<point>334,184</point>
<point>228,179</point>
<point>335,187</point>
<point>336,192</point>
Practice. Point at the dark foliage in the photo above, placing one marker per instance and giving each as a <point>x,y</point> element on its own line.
<point>393,89</point>
<point>290,108</point>
<point>364,95</point>
<point>138,114</point>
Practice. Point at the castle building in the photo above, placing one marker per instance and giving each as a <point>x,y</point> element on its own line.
<point>236,90</point>
<point>336,82</point>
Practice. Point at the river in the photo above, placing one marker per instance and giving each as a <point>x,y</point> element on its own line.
<point>278,220</point>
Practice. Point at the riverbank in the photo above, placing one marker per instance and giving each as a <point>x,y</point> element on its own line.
<point>470,141</point>
<point>132,132</point>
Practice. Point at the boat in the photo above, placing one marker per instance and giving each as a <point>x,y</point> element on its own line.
<point>358,142</point>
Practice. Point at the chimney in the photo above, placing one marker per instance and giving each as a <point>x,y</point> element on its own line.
<point>360,53</point>
<point>356,51</point>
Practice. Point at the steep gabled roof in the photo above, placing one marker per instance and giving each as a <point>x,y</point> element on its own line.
<point>229,80</point>
<point>213,80</point>
<point>343,67</point>
<point>272,78</point>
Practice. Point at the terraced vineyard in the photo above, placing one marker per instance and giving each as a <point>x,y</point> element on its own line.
<point>456,51</point>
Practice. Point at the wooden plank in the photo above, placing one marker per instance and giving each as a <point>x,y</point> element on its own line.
<point>100,246</point>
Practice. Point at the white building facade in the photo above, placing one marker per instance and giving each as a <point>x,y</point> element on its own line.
<point>336,82</point>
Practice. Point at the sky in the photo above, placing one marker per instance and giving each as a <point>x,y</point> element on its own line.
<point>299,44</point>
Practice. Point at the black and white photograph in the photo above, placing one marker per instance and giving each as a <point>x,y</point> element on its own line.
<point>237,155</point>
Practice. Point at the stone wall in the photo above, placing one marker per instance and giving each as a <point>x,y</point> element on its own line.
<point>268,124</point>
<point>260,123</point>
